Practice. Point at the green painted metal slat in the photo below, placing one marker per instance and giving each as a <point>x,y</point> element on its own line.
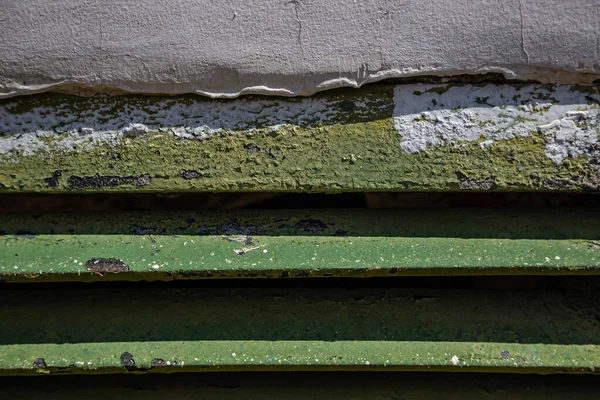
<point>169,330</point>
<point>298,243</point>
<point>222,356</point>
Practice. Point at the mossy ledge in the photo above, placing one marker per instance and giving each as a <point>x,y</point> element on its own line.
<point>412,137</point>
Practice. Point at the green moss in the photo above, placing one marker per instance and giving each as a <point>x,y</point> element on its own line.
<point>302,159</point>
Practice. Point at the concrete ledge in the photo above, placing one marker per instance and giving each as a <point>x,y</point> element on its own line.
<point>435,137</point>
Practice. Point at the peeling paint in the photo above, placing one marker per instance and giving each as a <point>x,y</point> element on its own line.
<point>105,265</point>
<point>68,127</point>
<point>437,115</point>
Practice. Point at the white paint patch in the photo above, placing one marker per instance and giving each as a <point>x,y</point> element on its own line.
<point>110,120</point>
<point>455,360</point>
<point>441,115</point>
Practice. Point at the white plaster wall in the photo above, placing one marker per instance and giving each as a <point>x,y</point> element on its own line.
<point>224,48</point>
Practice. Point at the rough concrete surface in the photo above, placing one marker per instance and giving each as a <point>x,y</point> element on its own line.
<point>287,47</point>
<point>381,137</point>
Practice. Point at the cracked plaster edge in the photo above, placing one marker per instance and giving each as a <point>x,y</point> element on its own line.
<point>299,86</point>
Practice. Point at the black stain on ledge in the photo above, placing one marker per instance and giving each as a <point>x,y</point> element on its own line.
<point>53,181</point>
<point>98,181</point>
<point>189,174</point>
<point>127,360</point>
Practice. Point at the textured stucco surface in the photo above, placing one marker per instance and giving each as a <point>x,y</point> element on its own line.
<point>231,47</point>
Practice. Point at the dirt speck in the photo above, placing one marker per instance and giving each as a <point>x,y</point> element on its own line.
<point>158,362</point>
<point>252,148</point>
<point>234,227</point>
<point>105,265</point>
<point>189,174</point>
<point>127,360</point>
<point>24,235</point>
<point>52,182</point>
<point>505,355</point>
<point>141,230</point>
<point>311,225</point>
<point>39,363</point>
<point>476,186</point>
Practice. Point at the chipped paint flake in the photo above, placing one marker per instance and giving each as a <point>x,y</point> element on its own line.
<point>437,115</point>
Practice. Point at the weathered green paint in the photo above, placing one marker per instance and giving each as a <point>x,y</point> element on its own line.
<point>98,358</point>
<point>349,145</point>
<point>87,331</point>
<point>299,243</point>
<point>305,386</point>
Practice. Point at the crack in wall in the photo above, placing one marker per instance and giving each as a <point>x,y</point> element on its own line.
<point>296,4</point>
<point>523,50</point>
